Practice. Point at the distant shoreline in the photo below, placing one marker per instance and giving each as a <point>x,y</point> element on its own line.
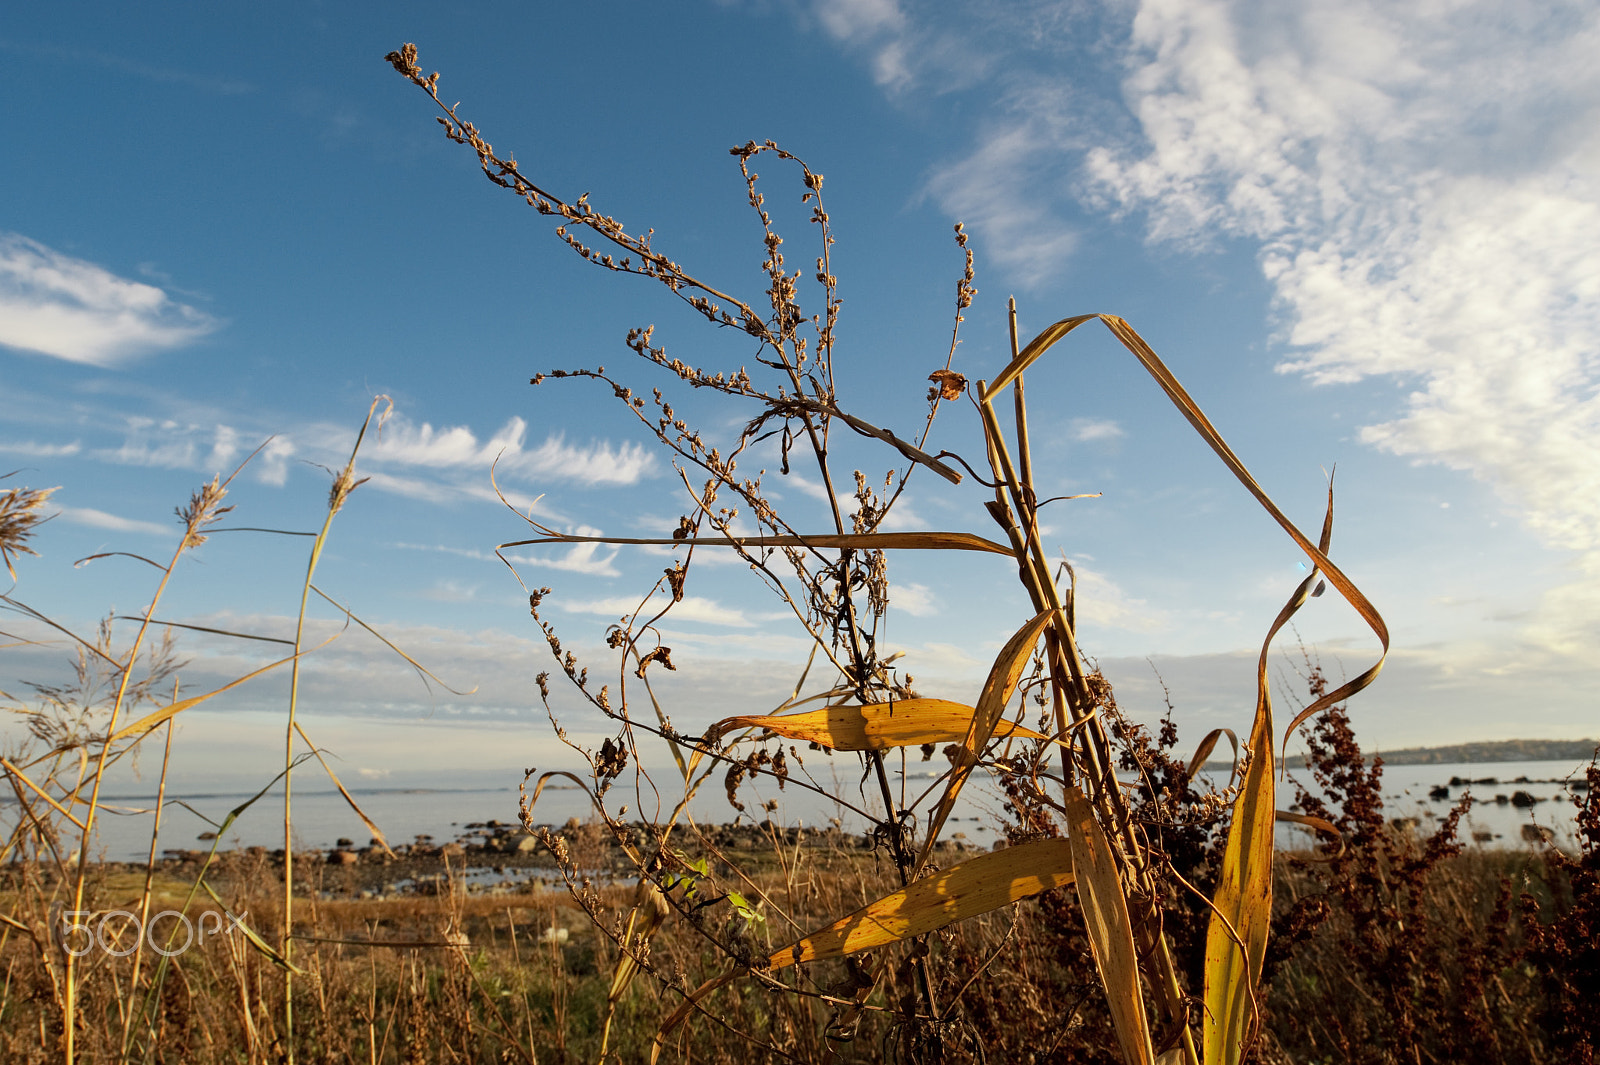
<point>1466,753</point>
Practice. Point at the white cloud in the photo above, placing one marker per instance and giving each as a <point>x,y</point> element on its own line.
<point>1421,180</point>
<point>170,444</point>
<point>903,518</point>
<point>1100,601</point>
<point>446,492</point>
<point>224,448</point>
<point>442,466</point>
<point>801,484</point>
<point>944,661</point>
<point>76,310</point>
<point>43,451</point>
<point>767,655</point>
<point>408,444</point>
<point>905,52</point>
<point>994,191</point>
<point>1088,430</point>
<point>690,608</point>
<point>578,558</point>
<point>99,519</point>
<point>1006,189</point>
<point>447,591</point>
<point>272,465</point>
<point>847,19</point>
<point>915,599</point>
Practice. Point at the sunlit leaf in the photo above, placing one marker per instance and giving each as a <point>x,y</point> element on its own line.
<point>1209,744</point>
<point>969,889</point>
<point>1110,929</point>
<point>873,727</point>
<point>1003,677</point>
<point>1242,908</point>
<point>1236,938</point>
<point>973,887</point>
<point>650,909</point>
<point>171,710</point>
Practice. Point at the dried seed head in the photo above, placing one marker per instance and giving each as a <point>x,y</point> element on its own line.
<point>204,508</point>
<point>20,515</point>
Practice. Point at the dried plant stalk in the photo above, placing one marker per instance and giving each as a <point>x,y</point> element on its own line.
<point>1063,777</point>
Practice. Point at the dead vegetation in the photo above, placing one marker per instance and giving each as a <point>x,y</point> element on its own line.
<point>1138,913</point>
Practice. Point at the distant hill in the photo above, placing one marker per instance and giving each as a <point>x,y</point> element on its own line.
<point>1497,751</point>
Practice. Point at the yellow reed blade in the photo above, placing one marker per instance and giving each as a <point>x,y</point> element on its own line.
<point>966,890</point>
<point>1242,908</point>
<point>1236,938</point>
<point>874,727</point>
<point>1003,677</point>
<point>1105,917</point>
<point>156,717</point>
<point>650,908</point>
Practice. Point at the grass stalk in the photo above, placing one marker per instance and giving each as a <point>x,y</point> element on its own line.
<point>205,507</point>
<point>149,883</point>
<point>344,483</point>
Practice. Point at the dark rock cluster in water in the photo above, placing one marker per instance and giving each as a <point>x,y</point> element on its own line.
<point>497,857</point>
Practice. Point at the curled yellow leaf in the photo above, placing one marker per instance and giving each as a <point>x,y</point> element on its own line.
<point>873,727</point>
<point>973,887</point>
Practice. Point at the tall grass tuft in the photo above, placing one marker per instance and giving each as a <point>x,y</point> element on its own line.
<point>74,733</point>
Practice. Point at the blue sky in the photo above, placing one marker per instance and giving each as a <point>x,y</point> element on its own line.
<point>1362,234</point>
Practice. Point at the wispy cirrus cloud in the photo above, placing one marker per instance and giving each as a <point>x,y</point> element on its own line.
<point>171,444</point>
<point>1103,602</point>
<point>1031,115</point>
<point>34,449</point>
<point>127,65</point>
<point>996,191</point>
<point>1419,181</point>
<point>595,560</point>
<point>1089,430</point>
<point>448,591</point>
<point>406,443</point>
<point>689,608</point>
<point>99,519</point>
<point>73,309</point>
<point>875,25</point>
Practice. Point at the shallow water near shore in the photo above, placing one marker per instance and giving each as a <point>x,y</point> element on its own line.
<point>322,817</point>
<point>1426,794</point>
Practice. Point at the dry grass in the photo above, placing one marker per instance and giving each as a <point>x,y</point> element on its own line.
<point>504,984</point>
<point>836,584</point>
<point>1144,917</point>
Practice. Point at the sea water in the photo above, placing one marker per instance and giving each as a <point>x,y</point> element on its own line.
<point>323,816</point>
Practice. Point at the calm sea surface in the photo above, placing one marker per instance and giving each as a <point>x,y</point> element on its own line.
<point>323,817</point>
<point>1494,820</point>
